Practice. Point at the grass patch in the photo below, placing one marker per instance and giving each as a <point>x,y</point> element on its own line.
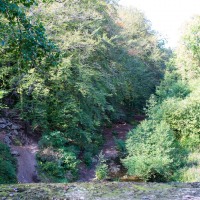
<point>191,172</point>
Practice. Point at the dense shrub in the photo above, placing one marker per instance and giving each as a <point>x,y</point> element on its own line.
<point>153,153</point>
<point>182,115</point>
<point>7,166</point>
<point>59,165</point>
<point>184,118</point>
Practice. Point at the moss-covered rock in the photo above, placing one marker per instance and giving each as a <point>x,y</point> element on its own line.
<point>101,191</point>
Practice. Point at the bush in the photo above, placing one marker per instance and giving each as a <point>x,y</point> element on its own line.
<point>182,115</point>
<point>183,118</point>
<point>153,153</point>
<point>101,171</point>
<point>58,164</point>
<point>7,166</point>
<point>87,158</point>
<point>191,171</point>
<point>121,146</point>
<point>172,86</point>
<point>54,139</point>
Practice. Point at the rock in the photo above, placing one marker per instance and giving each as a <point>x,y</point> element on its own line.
<point>3,132</point>
<point>15,127</point>
<point>3,126</point>
<point>15,132</point>
<point>7,140</point>
<point>2,121</point>
<point>103,191</point>
<point>9,123</point>
<point>9,134</point>
<point>15,153</point>
<point>188,197</point>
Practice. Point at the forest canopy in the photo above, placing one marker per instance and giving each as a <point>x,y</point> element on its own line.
<point>173,118</point>
<point>73,67</point>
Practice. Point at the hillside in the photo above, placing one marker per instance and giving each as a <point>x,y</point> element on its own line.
<point>89,92</point>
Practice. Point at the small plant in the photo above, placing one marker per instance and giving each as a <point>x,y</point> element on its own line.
<point>121,146</point>
<point>101,171</point>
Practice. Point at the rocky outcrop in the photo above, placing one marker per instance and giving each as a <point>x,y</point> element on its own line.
<point>102,191</point>
<point>12,133</point>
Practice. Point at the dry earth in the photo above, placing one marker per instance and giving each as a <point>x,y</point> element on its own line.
<point>109,150</point>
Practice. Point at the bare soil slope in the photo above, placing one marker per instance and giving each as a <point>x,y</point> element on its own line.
<point>109,150</point>
<point>26,161</point>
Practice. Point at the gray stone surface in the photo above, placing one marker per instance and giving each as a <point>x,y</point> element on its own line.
<point>7,140</point>
<point>15,153</point>
<point>103,191</point>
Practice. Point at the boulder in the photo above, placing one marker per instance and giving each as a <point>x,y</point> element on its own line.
<point>2,126</point>
<point>15,153</point>
<point>16,132</point>
<point>7,140</point>
<point>15,127</point>
<point>2,121</point>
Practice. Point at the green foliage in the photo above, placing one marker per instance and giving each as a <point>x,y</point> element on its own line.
<point>101,171</point>
<point>173,119</point>
<point>120,145</point>
<point>190,172</point>
<point>54,139</point>
<point>7,166</point>
<point>72,66</point>
<point>181,114</point>
<point>59,165</point>
<point>2,94</point>
<point>188,52</point>
<point>87,158</point>
<point>172,86</point>
<point>155,153</point>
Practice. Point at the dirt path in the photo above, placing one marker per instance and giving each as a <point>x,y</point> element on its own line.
<point>109,150</point>
<point>14,134</point>
<point>26,161</point>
